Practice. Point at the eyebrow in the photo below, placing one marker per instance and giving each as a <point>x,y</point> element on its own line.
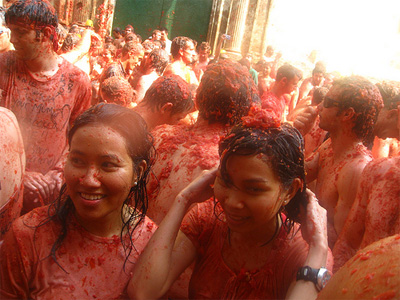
<point>107,156</point>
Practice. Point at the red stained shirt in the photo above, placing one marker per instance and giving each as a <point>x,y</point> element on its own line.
<point>44,108</point>
<point>213,279</point>
<point>93,265</point>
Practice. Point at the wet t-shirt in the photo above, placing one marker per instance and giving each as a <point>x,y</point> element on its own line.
<point>213,279</point>
<point>44,108</point>
<point>93,265</point>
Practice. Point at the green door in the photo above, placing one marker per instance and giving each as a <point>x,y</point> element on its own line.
<point>181,17</point>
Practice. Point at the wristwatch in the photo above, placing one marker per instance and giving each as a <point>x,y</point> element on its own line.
<point>320,277</point>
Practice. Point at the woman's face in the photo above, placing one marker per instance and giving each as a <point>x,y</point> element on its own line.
<point>99,173</point>
<point>253,197</point>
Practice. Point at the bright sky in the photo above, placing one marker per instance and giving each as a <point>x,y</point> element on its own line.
<point>352,36</point>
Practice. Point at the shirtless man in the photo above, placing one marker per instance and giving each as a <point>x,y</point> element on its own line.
<point>348,112</point>
<point>204,52</point>
<point>131,55</point>
<point>151,67</point>
<point>287,79</point>
<point>183,53</point>
<point>376,210</point>
<point>309,84</point>
<point>164,38</point>
<point>167,101</point>
<point>185,151</point>
<point>5,44</point>
<point>44,91</point>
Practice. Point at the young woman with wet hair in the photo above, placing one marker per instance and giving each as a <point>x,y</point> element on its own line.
<point>86,243</point>
<point>245,240</point>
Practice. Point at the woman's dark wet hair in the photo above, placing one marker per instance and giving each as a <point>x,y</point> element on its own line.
<point>139,142</point>
<point>283,151</point>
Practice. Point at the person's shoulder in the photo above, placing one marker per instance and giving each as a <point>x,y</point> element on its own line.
<point>73,71</point>
<point>26,224</point>
<point>381,167</point>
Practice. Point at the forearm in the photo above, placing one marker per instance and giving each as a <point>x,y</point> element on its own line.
<point>152,277</point>
<point>316,258</point>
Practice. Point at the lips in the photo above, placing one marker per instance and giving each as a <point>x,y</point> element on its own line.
<point>235,219</point>
<point>92,197</point>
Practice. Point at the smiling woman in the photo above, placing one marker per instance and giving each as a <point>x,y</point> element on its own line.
<point>86,243</point>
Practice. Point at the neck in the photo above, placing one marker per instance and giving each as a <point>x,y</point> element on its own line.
<point>46,62</point>
<point>147,115</point>
<point>343,141</point>
<point>277,91</point>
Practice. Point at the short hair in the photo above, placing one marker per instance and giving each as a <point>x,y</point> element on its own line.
<point>390,91</point>
<point>319,95</point>
<point>164,29</point>
<point>148,46</point>
<point>36,13</point>
<point>178,43</point>
<point>134,46</point>
<point>283,150</point>
<point>171,88</point>
<point>319,68</point>
<point>288,71</point>
<point>159,60</point>
<point>205,46</point>
<point>226,92</point>
<point>364,97</point>
<point>70,42</point>
<point>131,37</point>
<point>117,90</point>
<point>118,30</point>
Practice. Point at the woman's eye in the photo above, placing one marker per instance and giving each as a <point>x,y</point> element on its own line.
<point>109,165</point>
<point>76,161</point>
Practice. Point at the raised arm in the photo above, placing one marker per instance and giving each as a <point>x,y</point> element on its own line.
<point>314,230</point>
<point>169,252</point>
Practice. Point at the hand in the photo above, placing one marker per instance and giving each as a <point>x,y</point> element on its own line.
<point>314,222</point>
<point>36,183</point>
<point>200,189</point>
<point>55,179</point>
<point>305,120</point>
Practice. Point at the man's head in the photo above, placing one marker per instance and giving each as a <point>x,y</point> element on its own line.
<point>226,93</point>
<point>117,90</point>
<point>183,48</point>
<point>354,102</point>
<point>157,60</point>
<point>128,29</point>
<point>170,97</point>
<point>133,52</point>
<point>204,51</point>
<point>5,33</point>
<point>164,33</point>
<point>156,35</point>
<point>117,33</point>
<point>318,75</point>
<point>387,125</point>
<point>287,79</point>
<point>270,51</point>
<point>70,42</point>
<point>33,26</point>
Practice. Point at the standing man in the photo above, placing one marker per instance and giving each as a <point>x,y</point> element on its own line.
<point>348,112</point>
<point>184,54</point>
<point>44,91</point>
<point>164,37</point>
<point>278,99</point>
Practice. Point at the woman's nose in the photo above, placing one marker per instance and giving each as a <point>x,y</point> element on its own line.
<point>91,178</point>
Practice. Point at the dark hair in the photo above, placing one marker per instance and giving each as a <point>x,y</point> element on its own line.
<point>283,150</point>
<point>32,12</point>
<point>319,68</point>
<point>226,92</point>
<point>70,42</point>
<point>289,72</point>
<point>159,60</point>
<point>118,30</point>
<point>164,29</point>
<point>390,91</point>
<point>364,97</point>
<point>178,43</point>
<point>205,46</point>
<point>117,89</point>
<point>112,69</point>
<point>139,142</point>
<point>134,46</point>
<point>171,88</point>
<point>319,95</point>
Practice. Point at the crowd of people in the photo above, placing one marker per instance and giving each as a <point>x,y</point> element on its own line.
<point>142,168</point>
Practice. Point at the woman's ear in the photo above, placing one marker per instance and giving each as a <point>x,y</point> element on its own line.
<point>140,168</point>
<point>296,185</point>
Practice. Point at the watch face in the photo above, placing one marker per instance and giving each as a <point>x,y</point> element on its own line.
<point>323,277</point>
